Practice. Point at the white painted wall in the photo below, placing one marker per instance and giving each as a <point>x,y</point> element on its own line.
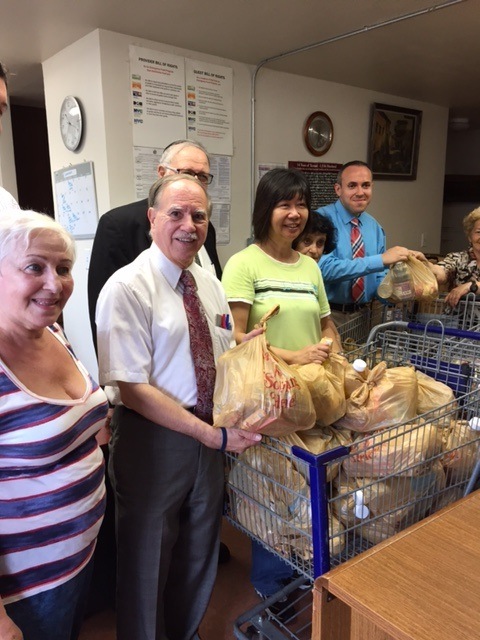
<point>77,71</point>
<point>96,70</point>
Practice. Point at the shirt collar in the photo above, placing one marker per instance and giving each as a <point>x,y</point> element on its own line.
<point>170,271</point>
<point>344,215</point>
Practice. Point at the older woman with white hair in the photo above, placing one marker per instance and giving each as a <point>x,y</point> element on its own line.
<point>52,491</point>
<point>461,269</point>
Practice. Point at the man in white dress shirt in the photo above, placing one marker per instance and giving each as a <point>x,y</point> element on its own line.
<point>165,463</point>
<point>7,201</point>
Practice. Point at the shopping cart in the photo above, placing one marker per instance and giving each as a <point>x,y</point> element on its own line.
<point>355,330</point>
<point>317,511</point>
<point>466,315</point>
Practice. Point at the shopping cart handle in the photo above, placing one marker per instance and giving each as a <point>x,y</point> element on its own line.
<point>448,331</point>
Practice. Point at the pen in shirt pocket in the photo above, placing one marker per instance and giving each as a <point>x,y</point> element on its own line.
<point>223,321</point>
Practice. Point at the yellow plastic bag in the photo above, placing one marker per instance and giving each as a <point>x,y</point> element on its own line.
<point>461,444</point>
<point>385,399</point>
<point>424,281</point>
<point>257,391</point>
<point>423,284</point>
<point>399,450</point>
<point>432,394</point>
<point>378,510</point>
<point>273,503</point>
<point>326,385</point>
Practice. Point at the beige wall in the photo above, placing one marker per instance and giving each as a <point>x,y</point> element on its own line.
<point>406,209</point>
<point>96,70</point>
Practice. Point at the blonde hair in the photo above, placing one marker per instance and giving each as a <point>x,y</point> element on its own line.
<point>470,220</point>
<point>18,227</point>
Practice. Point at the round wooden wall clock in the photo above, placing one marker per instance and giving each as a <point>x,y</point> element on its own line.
<point>318,133</point>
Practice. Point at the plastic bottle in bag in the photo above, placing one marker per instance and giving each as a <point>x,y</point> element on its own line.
<point>402,282</point>
<point>360,366</point>
<point>355,376</point>
<point>385,288</point>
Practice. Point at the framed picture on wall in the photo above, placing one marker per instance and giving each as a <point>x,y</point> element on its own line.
<point>394,142</point>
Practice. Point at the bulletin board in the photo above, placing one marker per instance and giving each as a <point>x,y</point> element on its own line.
<point>321,177</point>
<point>76,199</point>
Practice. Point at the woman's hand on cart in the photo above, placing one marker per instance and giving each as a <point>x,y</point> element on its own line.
<point>453,296</point>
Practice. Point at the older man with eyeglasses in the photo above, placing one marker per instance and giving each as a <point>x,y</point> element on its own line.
<point>123,233</point>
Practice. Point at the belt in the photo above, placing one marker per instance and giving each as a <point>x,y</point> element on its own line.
<point>347,308</point>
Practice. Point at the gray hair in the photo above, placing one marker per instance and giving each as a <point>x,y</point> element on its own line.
<point>173,148</point>
<point>18,228</point>
<point>470,220</point>
<point>161,184</point>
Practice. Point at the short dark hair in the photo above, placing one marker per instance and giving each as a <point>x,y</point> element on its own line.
<point>274,186</point>
<point>3,73</point>
<point>352,163</point>
<point>319,224</point>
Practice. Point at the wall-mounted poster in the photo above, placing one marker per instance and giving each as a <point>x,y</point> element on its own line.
<point>209,106</point>
<point>157,90</point>
<point>321,177</point>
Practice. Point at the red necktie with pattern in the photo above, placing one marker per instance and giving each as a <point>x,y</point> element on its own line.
<point>201,347</point>
<point>358,251</point>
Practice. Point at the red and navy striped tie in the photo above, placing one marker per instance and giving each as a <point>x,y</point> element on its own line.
<point>358,251</point>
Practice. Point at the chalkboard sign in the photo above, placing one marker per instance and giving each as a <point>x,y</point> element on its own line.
<point>321,177</point>
<point>76,200</point>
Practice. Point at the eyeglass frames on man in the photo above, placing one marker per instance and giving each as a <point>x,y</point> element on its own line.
<point>204,178</point>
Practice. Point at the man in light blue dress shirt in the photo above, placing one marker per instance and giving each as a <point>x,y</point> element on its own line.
<point>354,190</point>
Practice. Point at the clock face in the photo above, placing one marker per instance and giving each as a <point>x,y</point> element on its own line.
<point>71,125</point>
<point>318,133</point>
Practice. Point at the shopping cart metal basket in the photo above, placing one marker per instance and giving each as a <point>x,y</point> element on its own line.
<point>354,331</point>
<point>315,511</point>
<point>466,315</point>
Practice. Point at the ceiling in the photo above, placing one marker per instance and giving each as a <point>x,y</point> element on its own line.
<point>432,56</point>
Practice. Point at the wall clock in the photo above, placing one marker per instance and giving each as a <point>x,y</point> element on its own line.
<point>71,123</point>
<point>318,133</point>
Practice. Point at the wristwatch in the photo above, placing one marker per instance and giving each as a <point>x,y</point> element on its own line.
<point>474,287</point>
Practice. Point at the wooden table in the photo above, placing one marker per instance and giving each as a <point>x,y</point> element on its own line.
<point>422,584</point>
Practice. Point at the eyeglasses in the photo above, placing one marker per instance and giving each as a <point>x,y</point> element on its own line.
<point>204,178</point>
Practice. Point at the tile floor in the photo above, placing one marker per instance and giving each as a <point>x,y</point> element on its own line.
<point>232,596</point>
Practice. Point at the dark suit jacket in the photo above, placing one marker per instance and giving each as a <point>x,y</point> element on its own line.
<point>122,234</point>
